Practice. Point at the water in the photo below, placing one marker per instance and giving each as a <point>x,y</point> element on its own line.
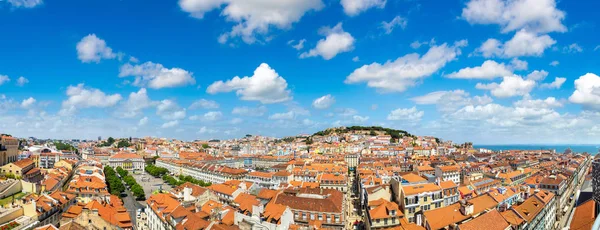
<point>591,149</point>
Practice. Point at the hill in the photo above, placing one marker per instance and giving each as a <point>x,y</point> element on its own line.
<point>373,130</point>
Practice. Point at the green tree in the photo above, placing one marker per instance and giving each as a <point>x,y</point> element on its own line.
<point>123,144</point>
<point>205,146</point>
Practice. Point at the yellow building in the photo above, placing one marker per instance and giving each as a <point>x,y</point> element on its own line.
<point>17,169</point>
<point>419,198</point>
<point>9,149</point>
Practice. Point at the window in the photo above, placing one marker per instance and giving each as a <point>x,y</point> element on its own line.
<point>312,216</point>
<point>378,220</point>
<point>411,219</point>
<point>303,215</point>
<point>425,198</point>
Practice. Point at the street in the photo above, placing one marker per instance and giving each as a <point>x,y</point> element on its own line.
<point>565,219</point>
<point>150,183</point>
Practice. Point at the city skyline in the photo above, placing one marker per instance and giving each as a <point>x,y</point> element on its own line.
<point>483,71</point>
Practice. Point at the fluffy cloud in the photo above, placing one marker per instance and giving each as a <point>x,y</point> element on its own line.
<point>248,111</point>
<point>388,27</point>
<point>406,114</point>
<point>528,102</point>
<point>537,75</point>
<point>169,110</point>
<point>93,49</point>
<point>573,48</point>
<point>450,101</point>
<point>519,64</point>
<point>540,16</point>
<point>209,116</point>
<point>4,79</point>
<point>283,116</point>
<point>21,81</point>
<point>82,97</point>
<point>360,119</point>
<point>205,130</point>
<point>27,103</point>
<point>488,70</point>
<point>336,41</point>
<point>523,43</point>
<point>204,104</point>
<point>554,63</point>
<point>299,45</point>
<point>253,17</point>
<point>170,124</point>
<point>323,102</point>
<point>509,87</point>
<point>346,112</point>
<point>587,91</point>
<point>556,84</point>
<point>25,3</point>
<point>355,7</point>
<point>143,121</point>
<point>135,104</point>
<point>406,71</point>
<point>265,86</point>
<point>156,76</point>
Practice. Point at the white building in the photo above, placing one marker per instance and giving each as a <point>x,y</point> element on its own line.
<point>127,161</point>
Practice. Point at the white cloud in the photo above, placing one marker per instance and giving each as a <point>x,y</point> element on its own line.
<point>81,97</point>
<point>204,104</point>
<point>406,71</point>
<point>450,101</point>
<point>554,63</point>
<point>135,104</point>
<point>25,3</point>
<point>204,130</point>
<point>355,59</point>
<point>355,7</point>
<point>299,45</point>
<point>27,103</point>
<point>517,64</point>
<point>4,79</point>
<point>346,112</point>
<point>597,47</point>
<point>93,49</point>
<point>488,70</point>
<point>527,102</point>
<point>265,86</point>
<point>406,114</point>
<point>587,91</point>
<point>21,81</point>
<point>388,27</point>
<point>253,18</point>
<point>556,84</point>
<point>360,119</point>
<point>417,44</point>
<point>283,116</point>
<point>523,43</point>
<point>143,121</point>
<point>336,41</point>
<point>509,87</point>
<point>573,48</point>
<point>212,116</point>
<point>248,111</point>
<point>156,76</point>
<point>540,16</point>
<point>169,110</point>
<point>537,75</point>
<point>236,121</point>
<point>133,59</point>
<point>323,102</point>
<point>170,124</point>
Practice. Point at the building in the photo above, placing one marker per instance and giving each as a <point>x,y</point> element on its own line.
<point>448,173</point>
<point>308,205</point>
<point>596,179</point>
<point>457,213</point>
<point>419,198</point>
<point>383,214</point>
<point>212,173</point>
<point>450,192</point>
<point>9,149</point>
<point>127,161</point>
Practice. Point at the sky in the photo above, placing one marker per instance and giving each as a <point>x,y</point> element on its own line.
<point>484,71</point>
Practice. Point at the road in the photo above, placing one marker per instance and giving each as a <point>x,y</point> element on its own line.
<point>150,183</point>
<point>131,204</point>
<point>565,218</point>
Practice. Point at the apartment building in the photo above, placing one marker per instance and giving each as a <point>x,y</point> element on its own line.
<point>308,205</point>
<point>419,198</point>
<point>450,192</point>
<point>383,214</point>
<point>9,149</point>
<point>212,173</point>
<point>448,173</point>
<point>127,161</point>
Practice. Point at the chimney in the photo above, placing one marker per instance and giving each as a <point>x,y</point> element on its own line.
<point>466,208</point>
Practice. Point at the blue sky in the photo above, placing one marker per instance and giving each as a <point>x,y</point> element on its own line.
<point>487,71</point>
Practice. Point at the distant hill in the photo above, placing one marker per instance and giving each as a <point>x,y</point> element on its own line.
<point>373,130</point>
